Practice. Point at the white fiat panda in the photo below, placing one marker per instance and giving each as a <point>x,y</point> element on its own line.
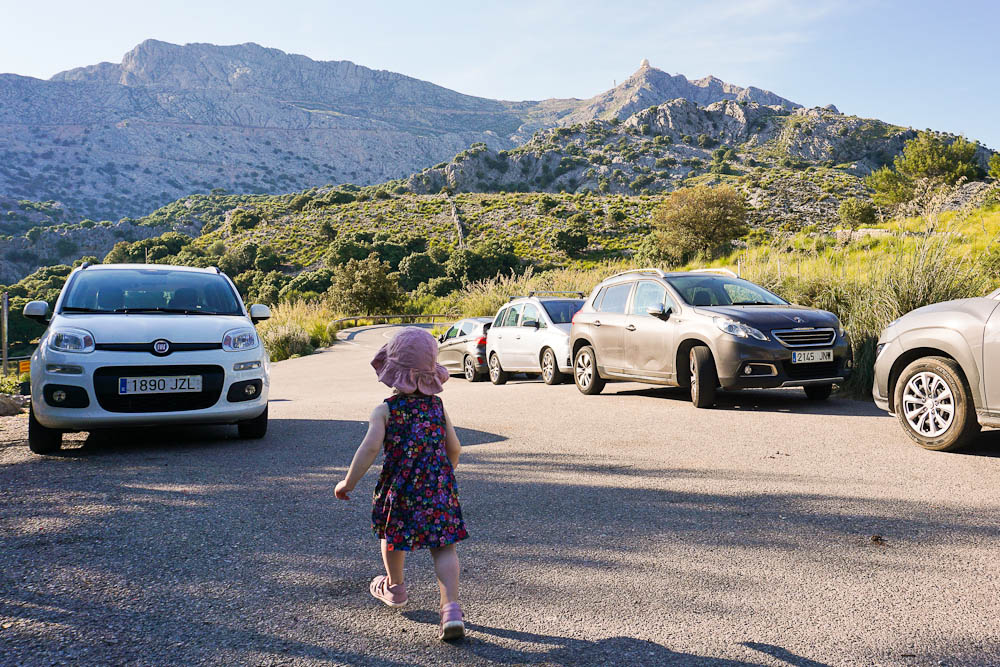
<point>142,345</point>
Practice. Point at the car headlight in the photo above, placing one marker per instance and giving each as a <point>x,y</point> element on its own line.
<point>880,348</point>
<point>738,329</point>
<point>238,340</point>
<point>71,340</point>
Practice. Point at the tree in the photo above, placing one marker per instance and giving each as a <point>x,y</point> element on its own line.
<point>995,166</point>
<point>855,212</point>
<point>573,239</point>
<point>327,230</point>
<point>418,268</point>
<point>238,260</point>
<point>926,156</point>
<point>699,219</point>
<point>363,287</point>
<point>242,219</point>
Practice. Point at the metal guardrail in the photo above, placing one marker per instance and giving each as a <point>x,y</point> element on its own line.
<point>384,319</point>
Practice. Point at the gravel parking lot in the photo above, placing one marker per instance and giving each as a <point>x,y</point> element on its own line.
<point>626,528</point>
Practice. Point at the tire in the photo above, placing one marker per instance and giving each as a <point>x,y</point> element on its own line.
<point>41,439</point>
<point>550,368</point>
<point>254,429</point>
<point>945,423</point>
<point>469,370</point>
<point>704,378</point>
<point>818,392</point>
<point>498,375</point>
<point>588,379</point>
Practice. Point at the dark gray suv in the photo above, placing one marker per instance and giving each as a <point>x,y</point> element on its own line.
<point>704,330</point>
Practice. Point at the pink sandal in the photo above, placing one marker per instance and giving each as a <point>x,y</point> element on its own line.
<point>394,596</point>
<point>452,625</point>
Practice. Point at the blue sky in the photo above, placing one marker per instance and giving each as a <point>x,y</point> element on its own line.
<point>918,63</point>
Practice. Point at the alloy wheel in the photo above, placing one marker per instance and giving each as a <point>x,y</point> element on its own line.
<point>470,369</point>
<point>494,368</point>
<point>928,404</point>
<point>584,370</point>
<point>548,366</point>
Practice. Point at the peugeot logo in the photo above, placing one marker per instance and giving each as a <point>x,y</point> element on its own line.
<point>161,347</point>
<point>798,320</point>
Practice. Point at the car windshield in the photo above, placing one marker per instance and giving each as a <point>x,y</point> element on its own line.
<point>562,311</point>
<point>707,290</point>
<point>150,291</point>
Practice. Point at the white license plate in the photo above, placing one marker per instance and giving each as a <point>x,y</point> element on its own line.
<point>812,356</point>
<point>171,384</point>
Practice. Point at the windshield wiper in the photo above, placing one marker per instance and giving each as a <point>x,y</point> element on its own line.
<point>83,309</point>
<point>170,311</point>
<point>752,303</point>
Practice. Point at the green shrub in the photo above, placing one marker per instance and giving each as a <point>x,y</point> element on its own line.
<point>285,341</point>
<point>855,212</point>
<point>995,166</point>
<point>364,287</point>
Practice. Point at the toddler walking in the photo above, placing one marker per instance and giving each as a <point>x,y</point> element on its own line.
<point>415,504</point>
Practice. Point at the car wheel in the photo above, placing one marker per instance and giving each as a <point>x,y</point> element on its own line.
<point>818,392</point>
<point>497,374</point>
<point>469,370</point>
<point>935,406</point>
<point>42,439</point>
<point>703,377</point>
<point>588,379</point>
<point>550,368</point>
<point>254,429</point>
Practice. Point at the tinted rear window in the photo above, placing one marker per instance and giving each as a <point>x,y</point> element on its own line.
<point>562,312</point>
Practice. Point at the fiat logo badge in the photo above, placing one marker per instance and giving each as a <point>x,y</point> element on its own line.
<point>161,347</point>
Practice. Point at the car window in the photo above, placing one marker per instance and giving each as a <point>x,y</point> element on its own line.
<point>498,320</point>
<point>530,317</point>
<point>599,298</point>
<point>615,298</point>
<point>451,333</point>
<point>467,328</point>
<point>512,313</point>
<point>708,290</point>
<point>156,290</point>
<point>562,311</point>
<point>649,293</point>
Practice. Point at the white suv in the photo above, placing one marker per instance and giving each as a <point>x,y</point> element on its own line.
<point>530,334</point>
<point>146,344</point>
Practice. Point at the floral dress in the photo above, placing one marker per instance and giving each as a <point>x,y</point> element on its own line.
<point>415,503</point>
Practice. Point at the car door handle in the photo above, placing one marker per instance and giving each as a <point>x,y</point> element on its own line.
<point>630,327</point>
<point>597,323</point>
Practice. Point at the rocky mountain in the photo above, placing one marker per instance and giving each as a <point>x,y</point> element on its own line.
<point>113,140</point>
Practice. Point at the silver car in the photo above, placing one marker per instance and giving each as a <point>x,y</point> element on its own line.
<point>931,371</point>
<point>462,348</point>
<point>530,334</point>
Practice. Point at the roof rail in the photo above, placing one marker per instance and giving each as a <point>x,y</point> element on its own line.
<point>552,292</point>
<point>214,268</point>
<point>85,265</point>
<point>516,296</point>
<point>651,271</point>
<point>725,272</point>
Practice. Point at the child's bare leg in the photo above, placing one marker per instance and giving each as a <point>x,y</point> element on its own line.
<point>446,568</point>
<point>394,561</point>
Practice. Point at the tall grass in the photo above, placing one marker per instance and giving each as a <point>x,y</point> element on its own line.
<point>296,329</point>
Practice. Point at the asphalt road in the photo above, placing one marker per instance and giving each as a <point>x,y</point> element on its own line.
<point>625,528</point>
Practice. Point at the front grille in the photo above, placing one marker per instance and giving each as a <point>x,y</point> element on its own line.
<point>820,371</point>
<point>805,337</point>
<point>106,389</point>
<point>148,347</point>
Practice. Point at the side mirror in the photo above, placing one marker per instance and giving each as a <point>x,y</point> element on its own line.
<point>659,311</point>
<point>37,311</point>
<point>259,312</point>
<point>441,338</point>
<point>536,324</point>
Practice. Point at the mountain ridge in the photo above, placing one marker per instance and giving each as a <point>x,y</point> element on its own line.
<point>112,140</point>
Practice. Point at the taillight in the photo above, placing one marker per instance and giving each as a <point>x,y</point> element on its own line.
<point>481,341</point>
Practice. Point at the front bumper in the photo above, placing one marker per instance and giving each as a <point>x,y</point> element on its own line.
<point>104,409</point>
<point>771,365</point>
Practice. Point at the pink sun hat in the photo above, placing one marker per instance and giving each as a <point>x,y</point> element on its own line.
<point>408,363</point>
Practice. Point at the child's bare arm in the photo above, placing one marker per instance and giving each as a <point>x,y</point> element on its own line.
<point>367,452</point>
<point>451,443</point>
